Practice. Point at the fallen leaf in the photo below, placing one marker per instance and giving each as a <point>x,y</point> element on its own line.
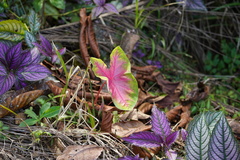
<point>21,101</point>
<point>145,152</point>
<point>145,107</point>
<point>133,115</point>
<point>107,120</point>
<point>199,93</point>
<point>124,129</point>
<point>77,152</point>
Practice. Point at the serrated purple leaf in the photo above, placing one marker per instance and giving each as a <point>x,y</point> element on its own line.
<point>171,154</point>
<point>3,50</point>
<point>25,59</point>
<point>97,11</point>
<point>184,134</point>
<point>223,144</point>
<point>13,56</point>
<point>6,82</point>
<point>131,158</point>
<point>46,45</point>
<point>171,138</point>
<point>110,8</point>
<point>35,55</point>
<point>144,139</point>
<point>35,72</point>
<point>160,124</point>
<point>99,2</point>
<point>3,70</point>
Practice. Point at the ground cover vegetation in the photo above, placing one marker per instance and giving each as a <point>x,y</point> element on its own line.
<point>119,79</point>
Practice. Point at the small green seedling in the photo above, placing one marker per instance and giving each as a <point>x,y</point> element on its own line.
<point>3,128</point>
<point>46,111</point>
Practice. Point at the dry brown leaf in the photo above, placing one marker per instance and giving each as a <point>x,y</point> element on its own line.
<point>147,70</point>
<point>21,101</point>
<point>199,93</point>
<point>124,129</point>
<point>77,152</point>
<point>146,151</point>
<point>174,113</point>
<point>133,115</point>
<point>145,107</point>
<point>106,123</point>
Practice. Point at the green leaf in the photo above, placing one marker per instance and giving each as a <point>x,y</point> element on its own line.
<point>34,22</point>
<point>223,144</point>
<point>30,38</point>
<point>198,139</point>
<point>29,122</point>
<point>60,4</point>
<point>51,11</point>
<point>31,114</point>
<point>38,4</point>
<point>44,108</point>
<point>51,112</point>
<point>12,30</point>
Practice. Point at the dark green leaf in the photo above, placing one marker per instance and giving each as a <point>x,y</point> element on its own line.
<point>37,4</point>
<point>29,122</point>
<point>45,107</point>
<point>31,114</point>
<point>51,112</point>
<point>51,11</point>
<point>34,22</point>
<point>60,4</point>
<point>30,38</point>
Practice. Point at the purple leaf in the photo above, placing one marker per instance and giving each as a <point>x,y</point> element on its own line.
<point>160,124</point>
<point>223,144</point>
<point>99,2</point>
<point>155,63</point>
<point>171,154</point>
<point>110,8</point>
<point>25,59</point>
<point>131,158</point>
<point>3,50</point>
<point>184,134</point>
<point>193,4</point>
<point>6,82</point>
<point>144,139</point>
<point>35,72</point>
<point>35,56</point>
<point>46,46</point>
<point>3,70</point>
<point>97,11</point>
<point>13,56</point>
<point>171,138</point>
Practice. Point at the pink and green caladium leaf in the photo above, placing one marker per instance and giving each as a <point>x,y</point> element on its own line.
<point>121,83</point>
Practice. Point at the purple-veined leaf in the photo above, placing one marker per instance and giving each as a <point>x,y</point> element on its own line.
<point>121,83</point>
<point>198,139</point>
<point>97,11</point>
<point>110,8</point>
<point>6,82</point>
<point>13,56</point>
<point>131,158</point>
<point>171,138</point>
<point>160,124</point>
<point>46,46</point>
<point>35,56</point>
<point>183,134</point>
<point>144,139</point>
<point>3,50</point>
<point>25,59</point>
<point>3,70</point>
<point>171,154</point>
<point>99,2</point>
<point>193,4</point>
<point>35,72</point>
<point>223,144</point>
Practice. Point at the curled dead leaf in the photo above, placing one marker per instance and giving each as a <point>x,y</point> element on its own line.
<point>124,129</point>
<point>199,93</point>
<point>107,120</point>
<point>145,107</point>
<point>145,152</point>
<point>77,152</point>
<point>133,115</point>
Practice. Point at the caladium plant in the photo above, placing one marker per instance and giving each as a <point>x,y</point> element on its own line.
<point>120,82</point>
<point>210,137</point>
<point>18,66</point>
<point>160,137</point>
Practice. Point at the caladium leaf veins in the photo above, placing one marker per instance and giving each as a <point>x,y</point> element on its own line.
<point>18,66</point>
<point>121,83</point>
